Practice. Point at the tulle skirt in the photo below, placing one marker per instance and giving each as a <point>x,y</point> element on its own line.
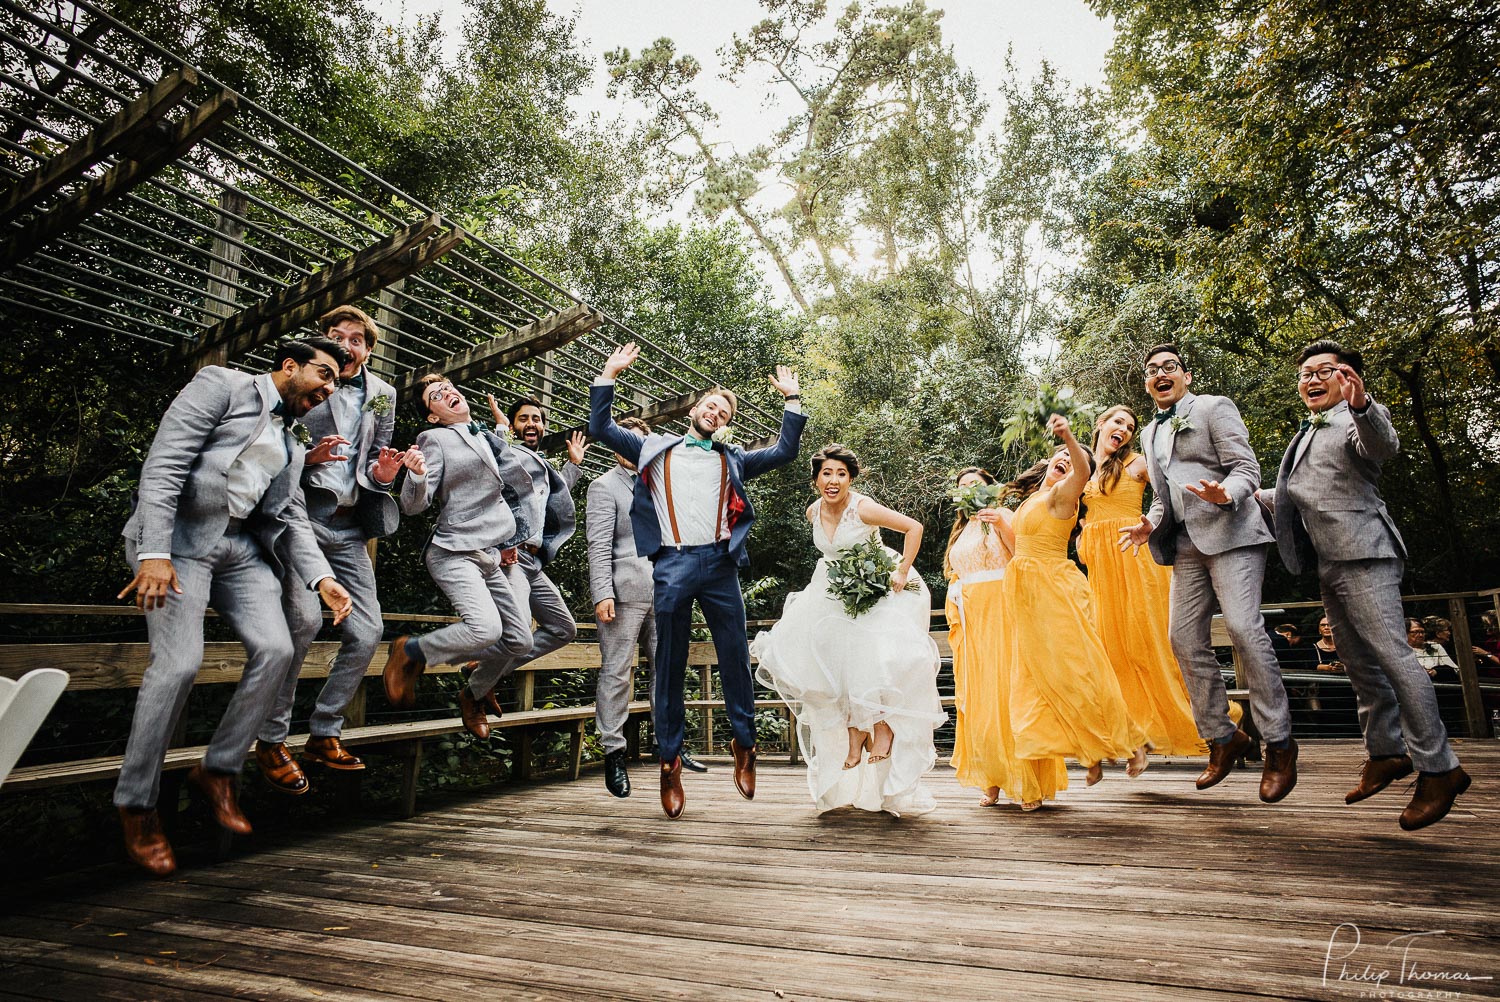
<point>839,672</point>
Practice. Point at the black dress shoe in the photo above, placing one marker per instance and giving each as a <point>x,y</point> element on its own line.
<point>691,764</point>
<point>616,779</point>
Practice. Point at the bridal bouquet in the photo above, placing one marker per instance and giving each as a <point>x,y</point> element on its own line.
<point>1027,424</point>
<point>860,576</point>
<point>975,498</point>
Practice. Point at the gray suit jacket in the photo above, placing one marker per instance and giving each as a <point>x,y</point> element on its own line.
<point>615,569</point>
<point>376,507</point>
<point>1215,445</point>
<point>1328,501</point>
<point>480,485</point>
<point>560,519</point>
<point>182,503</point>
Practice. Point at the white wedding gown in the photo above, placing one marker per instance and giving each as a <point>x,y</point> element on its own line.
<point>838,672</point>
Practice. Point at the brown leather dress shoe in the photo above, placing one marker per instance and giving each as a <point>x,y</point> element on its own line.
<point>672,798</point>
<point>218,789</point>
<point>1434,798</point>
<point>331,752</point>
<point>744,769</point>
<point>401,674</point>
<point>1376,774</point>
<point>280,771</point>
<point>145,844</point>
<point>1280,773</point>
<point>1221,759</point>
<point>472,712</point>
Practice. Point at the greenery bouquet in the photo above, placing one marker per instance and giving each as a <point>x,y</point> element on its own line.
<point>975,498</point>
<point>1027,424</point>
<point>860,576</point>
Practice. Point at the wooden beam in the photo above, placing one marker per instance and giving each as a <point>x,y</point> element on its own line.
<point>111,137</point>
<point>515,346</point>
<point>653,414</point>
<point>118,180</point>
<point>354,277</point>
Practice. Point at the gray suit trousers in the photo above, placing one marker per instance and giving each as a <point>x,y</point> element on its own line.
<point>495,627</point>
<point>535,591</point>
<point>344,546</point>
<point>236,580</point>
<point>1229,582</point>
<point>634,626</point>
<point>1392,690</point>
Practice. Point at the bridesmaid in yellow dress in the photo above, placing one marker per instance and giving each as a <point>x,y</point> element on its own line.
<point>984,753</point>
<point>1065,699</point>
<point>1129,591</point>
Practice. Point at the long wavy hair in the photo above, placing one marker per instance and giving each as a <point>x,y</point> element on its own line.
<point>1027,482</point>
<point>959,518</point>
<point>1113,467</point>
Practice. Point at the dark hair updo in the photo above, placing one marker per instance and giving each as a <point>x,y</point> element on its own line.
<point>836,451</point>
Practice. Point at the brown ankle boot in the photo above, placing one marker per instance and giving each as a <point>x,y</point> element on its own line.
<point>145,844</point>
<point>1434,798</point>
<point>280,771</point>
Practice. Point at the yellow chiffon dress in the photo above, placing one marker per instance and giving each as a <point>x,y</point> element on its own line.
<point>984,748</point>
<point>1131,601</point>
<point>1064,697</point>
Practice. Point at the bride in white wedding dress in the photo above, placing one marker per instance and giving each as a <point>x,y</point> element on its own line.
<point>864,688</point>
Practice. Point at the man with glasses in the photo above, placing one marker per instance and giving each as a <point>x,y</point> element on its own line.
<point>1330,516</point>
<point>1205,524</point>
<point>349,502</point>
<point>474,475</point>
<point>220,520</point>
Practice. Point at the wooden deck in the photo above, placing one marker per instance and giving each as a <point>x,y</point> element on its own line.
<point>1139,889</point>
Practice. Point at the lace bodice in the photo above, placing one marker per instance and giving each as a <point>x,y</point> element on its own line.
<point>850,530</point>
<point>976,551</point>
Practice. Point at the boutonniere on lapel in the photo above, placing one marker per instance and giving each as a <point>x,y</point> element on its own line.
<point>300,433</point>
<point>1179,424</point>
<point>724,436</point>
<point>379,405</point>
<point>1317,419</point>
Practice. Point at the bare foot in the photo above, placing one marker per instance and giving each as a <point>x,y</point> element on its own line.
<point>858,741</point>
<point>884,738</point>
<point>1095,773</point>
<point>1138,762</point>
<point>991,797</point>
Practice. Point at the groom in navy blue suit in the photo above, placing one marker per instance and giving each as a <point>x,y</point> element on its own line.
<point>691,517</point>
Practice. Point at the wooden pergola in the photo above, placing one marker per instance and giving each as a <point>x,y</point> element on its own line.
<point>141,197</point>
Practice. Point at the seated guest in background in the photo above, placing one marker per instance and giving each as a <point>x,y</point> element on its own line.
<point>1291,653</point>
<point>220,521</point>
<point>1440,632</point>
<point>1328,654</point>
<point>1431,655</point>
<point>1331,519</point>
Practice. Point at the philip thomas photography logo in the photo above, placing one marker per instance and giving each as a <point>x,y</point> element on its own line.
<point>1392,969</point>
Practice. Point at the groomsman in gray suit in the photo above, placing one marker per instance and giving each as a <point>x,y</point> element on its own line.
<point>1330,516</point>
<point>349,502</point>
<point>553,518</point>
<point>220,520</point>
<point>474,475</point>
<point>1204,522</point>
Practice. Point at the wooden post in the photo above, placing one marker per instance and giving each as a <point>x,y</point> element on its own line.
<point>794,753</point>
<point>388,323</point>
<point>521,764</point>
<point>708,712</point>
<point>410,770</point>
<point>575,751</point>
<point>225,273</point>
<point>1468,674</point>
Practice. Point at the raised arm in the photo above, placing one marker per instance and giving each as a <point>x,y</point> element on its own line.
<point>1066,492</point>
<point>602,427</point>
<point>789,441</point>
<point>878,514</point>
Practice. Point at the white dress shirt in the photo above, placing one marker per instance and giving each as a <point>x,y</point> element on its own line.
<point>347,406</point>
<point>697,476</point>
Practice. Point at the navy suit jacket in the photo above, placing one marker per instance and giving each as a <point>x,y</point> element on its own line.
<point>642,451</point>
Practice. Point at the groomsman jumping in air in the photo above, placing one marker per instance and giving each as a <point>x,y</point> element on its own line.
<point>220,520</point>
<point>1205,523</point>
<point>691,517</point>
<point>1330,517</point>
<point>349,502</point>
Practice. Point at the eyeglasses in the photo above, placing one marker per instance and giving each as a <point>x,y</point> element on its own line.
<point>329,376</point>
<point>1323,375</point>
<point>437,390</point>
<point>1166,368</point>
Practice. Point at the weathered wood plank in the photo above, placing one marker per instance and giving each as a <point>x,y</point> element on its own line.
<point>508,349</point>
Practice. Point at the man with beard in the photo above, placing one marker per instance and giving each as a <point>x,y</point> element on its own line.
<point>220,520</point>
<point>1205,523</point>
<point>349,503</point>
<point>691,517</point>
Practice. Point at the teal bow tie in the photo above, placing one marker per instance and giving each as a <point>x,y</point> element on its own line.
<point>280,409</point>
<point>706,444</point>
<point>475,427</point>
<point>356,380</point>
<point>1166,414</point>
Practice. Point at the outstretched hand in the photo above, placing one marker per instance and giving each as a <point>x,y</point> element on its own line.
<point>1133,537</point>
<point>1208,490</point>
<point>1058,427</point>
<point>414,461</point>
<point>323,451</point>
<point>388,463</point>
<point>621,359</point>
<point>578,447</point>
<point>1354,387</point>
<point>785,381</point>
<point>501,423</point>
